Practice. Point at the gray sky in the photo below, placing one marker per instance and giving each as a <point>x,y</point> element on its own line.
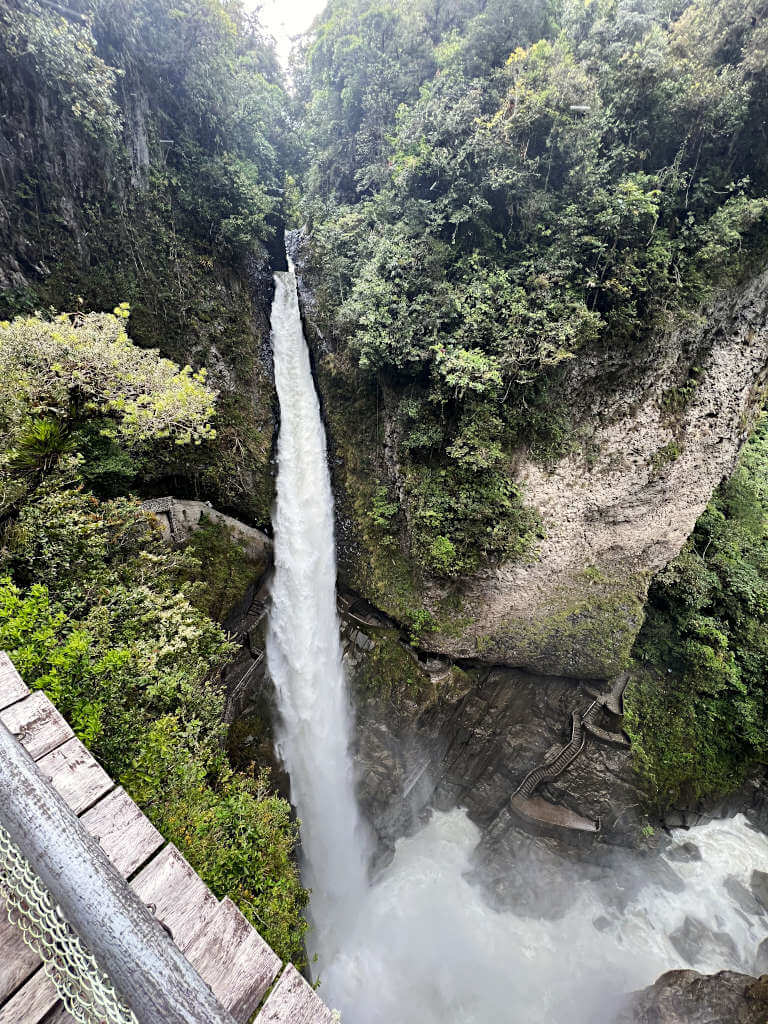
<point>287,18</point>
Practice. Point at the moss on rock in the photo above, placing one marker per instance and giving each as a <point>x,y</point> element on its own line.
<point>585,632</point>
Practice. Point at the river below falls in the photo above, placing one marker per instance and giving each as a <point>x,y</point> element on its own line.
<point>428,949</point>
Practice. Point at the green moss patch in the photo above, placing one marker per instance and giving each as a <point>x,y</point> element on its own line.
<point>589,634</point>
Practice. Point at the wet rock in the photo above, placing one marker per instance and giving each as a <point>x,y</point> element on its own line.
<point>685,997</point>
<point>540,884</point>
<point>362,642</point>
<point>741,896</point>
<point>470,740</point>
<point>758,883</point>
<point>683,853</point>
<point>761,958</point>
<point>663,875</point>
<point>694,941</point>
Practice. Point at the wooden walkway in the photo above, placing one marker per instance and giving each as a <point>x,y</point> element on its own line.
<point>227,952</point>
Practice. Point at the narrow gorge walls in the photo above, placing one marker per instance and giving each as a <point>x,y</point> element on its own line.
<point>142,152</point>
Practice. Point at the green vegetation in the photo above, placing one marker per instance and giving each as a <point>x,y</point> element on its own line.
<point>697,712</point>
<point>669,452</point>
<point>84,368</point>
<point>494,187</point>
<point>223,562</point>
<point>388,670</point>
<point>149,142</point>
<point>77,386</point>
<point>115,626</point>
<point>586,629</point>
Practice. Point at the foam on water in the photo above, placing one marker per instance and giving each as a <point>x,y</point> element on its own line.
<point>427,948</point>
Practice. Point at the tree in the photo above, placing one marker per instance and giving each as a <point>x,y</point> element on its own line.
<point>84,367</point>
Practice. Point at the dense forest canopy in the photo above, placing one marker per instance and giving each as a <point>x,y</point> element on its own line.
<point>494,187</point>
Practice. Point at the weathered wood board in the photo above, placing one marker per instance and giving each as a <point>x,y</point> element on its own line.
<point>234,960</point>
<point>31,1003</point>
<point>126,835</point>
<point>12,687</point>
<point>176,895</point>
<point>37,725</point>
<point>17,961</point>
<point>293,1001</point>
<point>59,1016</point>
<point>75,775</point>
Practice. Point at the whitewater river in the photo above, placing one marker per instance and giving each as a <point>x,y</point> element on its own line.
<point>420,945</point>
<point>427,948</point>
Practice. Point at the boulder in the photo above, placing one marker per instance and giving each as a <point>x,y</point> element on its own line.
<point>685,997</point>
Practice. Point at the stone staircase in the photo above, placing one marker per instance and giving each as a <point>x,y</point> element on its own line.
<point>550,770</point>
<point>538,813</point>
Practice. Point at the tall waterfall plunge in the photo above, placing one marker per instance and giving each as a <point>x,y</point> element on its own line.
<point>420,945</point>
<point>303,643</point>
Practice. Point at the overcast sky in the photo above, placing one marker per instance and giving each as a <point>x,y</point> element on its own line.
<point>287,18</point>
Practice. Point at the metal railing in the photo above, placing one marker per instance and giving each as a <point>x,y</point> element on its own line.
<point>110,960</point>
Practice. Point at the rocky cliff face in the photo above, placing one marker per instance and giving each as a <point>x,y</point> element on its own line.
<point>660,433</point>
<point>655,431</point>
<point>436,733</point>
<point>95,215</point>
<point>432,733</point>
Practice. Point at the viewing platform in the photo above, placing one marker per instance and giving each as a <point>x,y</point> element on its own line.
<point>103,921</point>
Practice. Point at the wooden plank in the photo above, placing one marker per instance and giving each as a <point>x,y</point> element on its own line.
<point>75,775</point>
<point>126,835</point>
<point>231,957</point>
<point>293,1001</point>
<point>37,724</point>
<point>59,1016</point>
<point>12,686</point>
<point>17,961</point>
<point>32,1002</point>
<point>181,900</point>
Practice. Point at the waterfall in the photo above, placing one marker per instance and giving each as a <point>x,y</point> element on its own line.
<point>303,643</point>
<point>420,945</point>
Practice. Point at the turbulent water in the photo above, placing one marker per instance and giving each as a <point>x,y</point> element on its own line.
<point>420,945</point>
<point>427,949</point>
<point>303,644</point>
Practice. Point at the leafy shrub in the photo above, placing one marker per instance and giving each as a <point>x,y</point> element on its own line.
<point>108,627</point>
<point>382,509</point>
<point>84,367</point>
<point>222,561</point>
<point>698,712</point>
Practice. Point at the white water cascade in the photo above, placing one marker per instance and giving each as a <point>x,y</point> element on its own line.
<point>303,642</point>
<point>420,945</point>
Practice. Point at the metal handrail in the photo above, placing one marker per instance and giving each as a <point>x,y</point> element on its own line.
<point>147,970</point>
<point>544,769</point>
